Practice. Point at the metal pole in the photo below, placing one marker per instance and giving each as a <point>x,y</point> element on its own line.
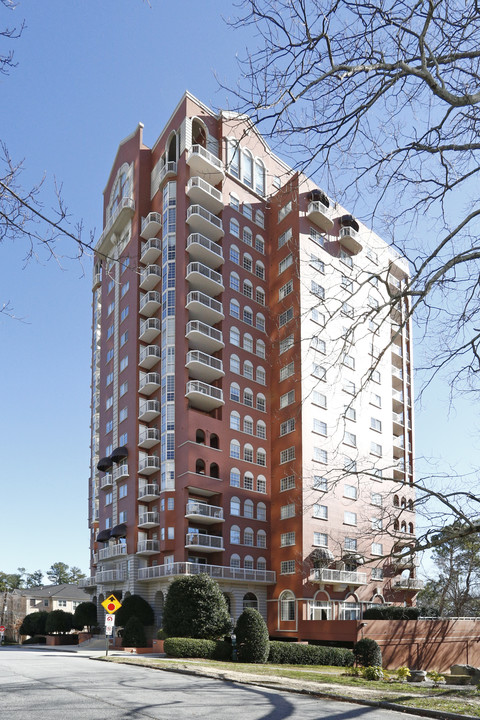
<point>106,643</point>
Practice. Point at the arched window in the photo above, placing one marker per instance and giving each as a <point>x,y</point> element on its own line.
<point>248,425</point>
<point>247,262</point>
<point>260,218</point>
<point>235,336</point>
<point>260,244</point>
<point>247,210</point>
<point>261,484</point>
<point>248,453</point>
<point>200,466</point>
<point>235,535</point>
<point>396,502</point>
<point>235,364</point>
<point>410,504</point>
<point>235,308</point>
<point>248,369</point>
<point>287,606</point>
<point>235,477</point>
<point>214,441</point>
<point>214,470</point>
<point>248,289</point>
<point>410,528</point>
<point>260,296</point>
<point>234,506</point>
<point>261,563</point>
<point>172,148</point>
<point>200,437</point>
<point>403,502</point>
<point>261,429</point>
<point>233,158</point>
<point>248,481</point>
<point>247,167</point>
<point>260,322</point>
<point>234,420</point>
<point>261,402</point>
<point>260,375</point>
<point>247,236</point>
<point>235,392</point>
<point>234,449</point>
<point>403,526</point>
<point>261,511</point>
<point>395,525</point>
<point>248,509</point>
<point>234,201</point>
<point>261,539</point>
<point>248,537</point>
<point>261,457</point>
<point>235,281</point>
<point>260,270</point>
<point>259,177</point>
<point>260,348</point>
<point>248,562</point>
<point>248,397</point>
<point>235,561</point>
<point>234,228</point>
<point>199,133</point>
<point>248,342</point>
<point>250,600</point>
<point>248,315</point>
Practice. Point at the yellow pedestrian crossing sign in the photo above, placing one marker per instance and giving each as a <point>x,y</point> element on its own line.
<point>111,604</point>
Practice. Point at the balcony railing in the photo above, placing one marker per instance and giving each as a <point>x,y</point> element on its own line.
<point>112,551</point>
<point>204,367</point>
<point>203,337</point>
<point>106,576</point>
<point>151,249</point>
<point>204,278</point>
<point>205,222</point>
<point>203,511</point>
<point>203,249</point>
<point>106,481</point>
<point>148,437</point>
<point>204,396</point>
<point>200,191</point>
<point>151,225</point>
<point>87,582</point>
<point>409,584</point>
<point>149,410</point>
<point>318,213</point>
<point>219,572</point>
<point>148,492</point>
<point>148,519</point>
<point>150,302</point>
<point>339,577</point>
<point>350,238</point>
<point>149,356</point>
<point>122,213</point>
<point>121,471</point>
<point>149,329</point>
<point>148,547</point>
<point>203,307</point>
<point>204,163</point>
<point>149,382</point>
<point>149,464</point>
<point>170,168</point>
<point>150,276</point>
<point>208,543</point>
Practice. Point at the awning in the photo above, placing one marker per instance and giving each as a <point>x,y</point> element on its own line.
<point>119,531</point>
<point>120,453</point>
<point>104,464</point>
<point>319,195</point>
<point>103,536</point>
<point>353,557</point>
<point>323,555</point>
<point>349,221</point>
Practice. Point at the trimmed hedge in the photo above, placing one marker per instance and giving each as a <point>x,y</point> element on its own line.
<point>367,652</point>
<point>198,648</point>
<point>288,653</point>
<point>35,640</point>
<point>252,637</point>
<point>391,612</point>
<point>134,633</point>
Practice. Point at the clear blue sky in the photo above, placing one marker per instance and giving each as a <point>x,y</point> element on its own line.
<point>87,73</point>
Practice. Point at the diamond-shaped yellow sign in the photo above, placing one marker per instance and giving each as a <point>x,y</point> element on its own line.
<point>111,604</point>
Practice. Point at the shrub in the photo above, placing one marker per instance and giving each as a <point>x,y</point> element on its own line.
<point>195,607</point>
<point>134,606</point>
<point>59,621</point>
<point>436,677</point>
<point>252,637</point>
<point>287,653</point>
<point>133,633</point>
<point>367,652</point>
<point>391,612</point>
<point>85,615</point>
<point>34,623</point>
<point>161,634</point>
<point>373,672</point>
<point>403,673</point>
<point>35,640</point>
<point>189,647</point>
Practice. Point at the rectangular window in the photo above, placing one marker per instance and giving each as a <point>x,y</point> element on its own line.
<point>170,503</point>
<point>125,287</point>
<point>108,498</point>
<point>375,400</point>
<point>123,338</point>
<point>109,379</point>
<point>377,549</point>
<point>350,439</point>
<point>124,439</point>
<point>377,523</point>
<point>347,284</point>
<point>373,302</point>
<point>320,455</point>
<point>317,263</point>
<point>123,414</point>
<point>350,543</point>
<point>350,491</point>
<point>122,517</point>
<point>287,483</point>
<point>320,483</point>
<point>287,511</point>
<point>124,313</point>
<point>349,465</point>
<point>111,283</point>
<point>285,263</point>
<point>317,237</point>
<point>376,424</point>
<point>349,518</point>
<point>123,388</point>
<point>110,308</point>
<point>286,344</point>
<point>317,290</point>
<point>110,332</point>
<point>320,511</point>
<point>285,290</point>
<point>349,361</point>
<point>287,427</point>
<point>285,317</point>
<point>319,426</point>
<point>287,399</point>
<point>376,449</point>
<point>125,263</point>
<point>346,258</point>
<point>123,363</point>
<point>349,387</point>
<point>109,402</point>
<point>320,539</point>
<point>247,210</point>
<point>109,354</point>
<point>318,317</point>
<point>319,372</point>
<point>287,538</point>
<point>377,573</point>
<point>318,344</point>
<point>319,399</point>
<point>347,310</point>
<point>234,202</point>
<point>376,376</point>
<point>283,212</point>
<point>287,455</point>
<point>109,426</point>
<point>284,237</point>
<point>122,491</point>
<point>171,533</point>
<point>376,499</point>
<point>287,567</point>
<point>350,413</point>
<point>287,371</point>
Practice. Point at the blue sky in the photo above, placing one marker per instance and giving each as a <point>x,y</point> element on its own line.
<point>88,72</point>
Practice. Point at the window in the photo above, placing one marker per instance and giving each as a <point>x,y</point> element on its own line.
<point>110,308</point>
<point>122,491</point>
<point>377,573</point>
<point>350,413</point>
<point>285,317</point>
<point>287,427</point>
<point>259,244</point>
<point>247,210</point>
<point>287,606</point>
<point>285,263</point>
<point>111,283</point>
<point>234,281</point>
<point>260,218</point>
<point>287,399</point>
<point>285,290</point>
<point>260,348</point>
<point>234,449</point>
<point>318,344</point>
<point>122,517</point>
<point>248,369</point>
<point>125,287</point>
<point>110,354</point>
<point>375,400</point>
<point>260,270</point>
<point>123,439</point>
<point>377,523</point>
<point>286,344</point>
<point>350,491</point>
<point>234,420</point>
<point>261,429</point>
<point>376,424</point>
<point>318,317</point>
<point>110,332</point>
<point>234,477</point>
<point>109,402</point>
<point>235,336</point>
<point>319,399</point>
<point>234,228</point>
<point>287,483</point>
<point>373,302</point>
<point>123,363</point>
<point>287,567</point>
<point>109,426</point>
<point>377,549</point>
<point>320,455</point>
<point>248,537</point>
<point>376,449</point>
<point>234,506</point>
<point>347,310</point>
<point>349,465</point>
<point>350,439</point>
<point>259,177</point>
<point>261,511</point>
<point>124,313</point>
<point>261,402</point>
<point>320,511</point>
<point>287,538</point>
<point>247,262</point>
<point>235,535</point>
<point>235,309</point>
<point>287,455</point>
<point>320,483</point>
<point>235,364</point>
<point>248,425</point>
<point>248,397</point>
<point>287,511</point>
<point>261,457</point>
<point>125,263</point>
<point>248,562</point>
<point>234,202</point>
<point>235,561</point>
<point>283,212</point>
<point>123,338</point>
<point>349,518</point>
<point>247,167</point>
<point>260,375</point>
<point>123,414</point>
<point>260,322</point>
<point>376,377</point>
<point>317,263</point>
<point>248,316</point>
<point>320,539</point>
<point>349,387</point>
<point>287,371</point>
<point>319,372</point>
<point>233,158</point>
<point>108,498</point>
<point>319,426</point>
<point>248,509</point>
<point>284,237</point>
<point>317,290</point>
<point>248,481</point>
<point>349,361</point>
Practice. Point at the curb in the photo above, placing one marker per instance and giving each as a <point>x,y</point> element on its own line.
<point>383,704</point>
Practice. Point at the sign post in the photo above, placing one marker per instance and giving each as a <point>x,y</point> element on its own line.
<point>111,605</point>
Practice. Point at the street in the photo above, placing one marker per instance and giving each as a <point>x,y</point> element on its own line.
<point>59,685</point>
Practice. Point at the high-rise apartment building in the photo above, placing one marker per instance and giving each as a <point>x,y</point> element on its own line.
<point>251,384</point>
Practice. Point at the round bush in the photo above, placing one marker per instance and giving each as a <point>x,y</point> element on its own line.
<point>34,623</point>
<point>59,621</point>
<point>367,653</point>
<point>85,615</point>
<point>195,607</point>
<point>252,637</point>
<point>134,606</point>
<point>134,634</point>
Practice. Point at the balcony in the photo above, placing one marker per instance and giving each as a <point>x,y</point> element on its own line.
<point>112,551</point>
<point>203,512</point>
<point>149,465</point>
<point>149,329</point>
<point>87,582</point>
<point>106,482</point>
<point>408,584</point>
<point>203,396</point>
<point>397,378</point>
<point>108,576</point>
<point>151,225</point>
<point>203,337</point>
<point>338,577</point>
<point>200,191</point>
<point>204,250</point>
<point>149,356</point>
<point>122,214</point>
<point>204,222</point>
<point>204,279</point>
<point>148,547</point>
<point>219,572</point>
<point>148,520</point>
<point>150,276</point>
<point>349,238</point>
<point>149,303</point>
<point>150,251</point>
<point>398,423</point>
<point>168,170</point>
<point>319,214</point>
<point>205,543</point>
<point>148,437</point>
<point>205,164</point>
<point>148,410</point>
<point>149,492</point>
<point>120,472</point>
<point>202,307</point>
<point>149,383</point>
<point>97,280</point>
<point>204,367</point>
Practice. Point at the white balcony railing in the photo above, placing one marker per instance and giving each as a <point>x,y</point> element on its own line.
<point>148,547</point>
<point>196,508</point>
<point>148,519</point>
<point>194,539</point>
<point>151,249</point>
<point>152,490</point>
<point>204,163</point>
<point>149,464</point>
<point>199,327</point>
<point>339,577</point>
<point>151,225</point>
<point>148,410</point>
<point>115,221</point>
<point>201,191</point>
<point>219,572</point>
<point>112,551</point>
<point>203,395</point>
<point>106,576</point>
<point>120,471</point>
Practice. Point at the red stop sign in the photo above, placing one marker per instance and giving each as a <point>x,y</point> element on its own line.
<point>2,628</point>
<point>111,607</point>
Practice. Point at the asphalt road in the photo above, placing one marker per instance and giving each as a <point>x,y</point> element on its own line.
<point>51,685</point>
